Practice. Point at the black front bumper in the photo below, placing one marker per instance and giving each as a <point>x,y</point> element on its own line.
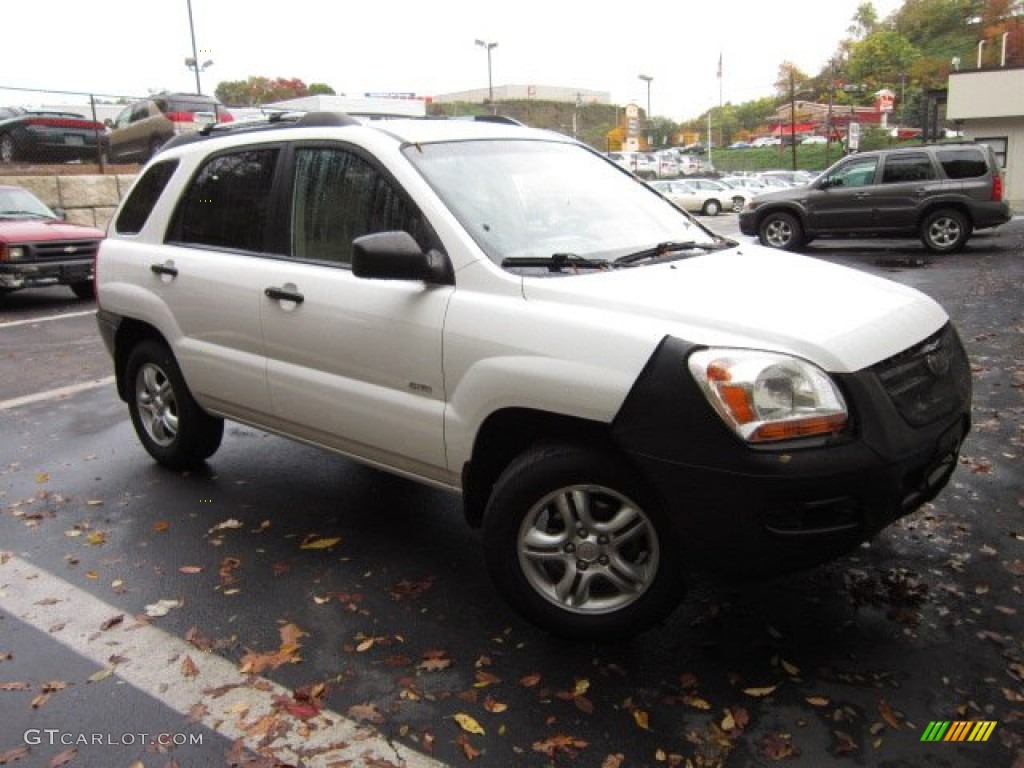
<point>744,511</point>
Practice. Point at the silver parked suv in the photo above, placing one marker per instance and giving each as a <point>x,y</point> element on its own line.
<point>940,193</point>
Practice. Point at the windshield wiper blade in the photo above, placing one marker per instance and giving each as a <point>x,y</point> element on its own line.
<point>661,250</point>
<point>556,262</point>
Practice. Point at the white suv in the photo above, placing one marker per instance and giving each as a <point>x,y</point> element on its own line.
<point>621,397</point>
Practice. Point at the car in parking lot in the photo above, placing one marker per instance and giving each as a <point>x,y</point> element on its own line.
<point>707,202</point>
<point>141,128</point>
<point>723,192</point>
<point>48,136</point>
<point>940,193</point>
<point>621,397</point>
<point>38,248</point>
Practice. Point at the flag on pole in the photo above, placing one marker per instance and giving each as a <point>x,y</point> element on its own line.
<point>719,65</point>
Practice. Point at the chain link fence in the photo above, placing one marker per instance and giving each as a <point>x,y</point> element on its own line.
<point>46,128</point>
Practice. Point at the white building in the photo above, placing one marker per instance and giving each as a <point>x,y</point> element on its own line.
<point>989,105</point>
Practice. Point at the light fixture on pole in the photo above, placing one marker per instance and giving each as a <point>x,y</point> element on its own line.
<point>647,79</point>
<point>490,82</point>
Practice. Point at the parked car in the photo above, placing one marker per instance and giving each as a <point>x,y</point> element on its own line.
<point>740,145</point>
<point>620,396</point>
<point>814,140</point>
<point>751,183</point>
<point>47,136</point>
<point>705,202</point>
<point>666,165</point>
<point>766,141</point>
<point>940,193</point>
<point>141,128</point>
<point>739,196</point>
<point>38,248</point>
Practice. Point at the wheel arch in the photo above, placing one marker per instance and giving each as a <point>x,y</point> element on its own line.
<point>129,334</point>
<point>792,210</point>
<point>507,433</point>
<point>939,205</point>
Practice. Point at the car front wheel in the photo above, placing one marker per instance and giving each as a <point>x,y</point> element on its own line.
<point>945,231</point>
<point>578,545</point>
<point>172,427</point>
<point>781,230</point>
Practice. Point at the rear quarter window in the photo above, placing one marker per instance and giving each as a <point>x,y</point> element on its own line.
<point>962,163</point>
<point>136,209</point>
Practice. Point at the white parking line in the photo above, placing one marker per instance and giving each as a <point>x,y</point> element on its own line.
<point>33,321</point>
<point>55,394</point>
<point>152,661</point>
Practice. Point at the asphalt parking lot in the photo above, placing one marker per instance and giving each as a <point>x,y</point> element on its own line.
<point>288,607</point>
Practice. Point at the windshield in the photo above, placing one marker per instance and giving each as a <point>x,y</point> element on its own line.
<point>537,200</point>
<point>18,203</point>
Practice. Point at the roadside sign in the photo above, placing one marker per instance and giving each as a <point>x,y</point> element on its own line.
<point>853,137</point>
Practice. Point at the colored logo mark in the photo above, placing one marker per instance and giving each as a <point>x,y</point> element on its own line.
<point>958,730</point>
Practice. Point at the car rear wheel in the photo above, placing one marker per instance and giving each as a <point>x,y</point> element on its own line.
<point>781,230</point>
<point>945,231</point>
<point>172,427</point>
<point>7,153</point>
<point>578,545</point>
<point>711,208</point>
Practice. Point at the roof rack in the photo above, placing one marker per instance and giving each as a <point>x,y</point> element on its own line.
<point>272,121</point>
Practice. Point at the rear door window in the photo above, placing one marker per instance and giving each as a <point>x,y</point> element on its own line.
<point>907,168</point>
<point>227,203</point>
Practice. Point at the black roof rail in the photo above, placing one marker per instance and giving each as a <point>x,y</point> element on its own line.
<point>272,121</point>
<point>502,119</point>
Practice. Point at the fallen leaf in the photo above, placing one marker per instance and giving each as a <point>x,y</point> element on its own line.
<point>468,724</point>
<point>227,524</point>
<point>161,526</point>
<point>494,707</point>
<point>13,754</point>
<point>161,607</point>
<point>190,569</point>
<point>189,668</point>
<point>529,681</point>
<point>113,621</point>
<point>887,713</point>
<point>759,692</point>
<point>62,758</point>
<point>366,712</point>
<point>791,669</point>
<point>320,543</point>
<point>641,718</point>
<point>817,701</point>
<point>468,749</point>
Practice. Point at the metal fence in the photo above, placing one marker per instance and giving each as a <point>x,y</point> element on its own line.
<point>45,127</point>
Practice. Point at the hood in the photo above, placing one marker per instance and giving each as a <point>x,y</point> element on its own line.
<point>36,230</point>
<point>842,319</point>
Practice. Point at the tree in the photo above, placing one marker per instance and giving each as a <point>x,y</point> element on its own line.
<point>878,59</point>
<point>259,90</point>
<point>320,89</point>
<point>864,21</point>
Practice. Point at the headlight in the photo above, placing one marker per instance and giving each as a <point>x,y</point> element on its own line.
<point>765,396</point>
<point>11,253</point>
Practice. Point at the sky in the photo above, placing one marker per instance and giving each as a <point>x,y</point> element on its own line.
<point>133,47</point>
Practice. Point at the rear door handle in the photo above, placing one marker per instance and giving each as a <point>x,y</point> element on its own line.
<point>280,294</point>
<point>164,269</point>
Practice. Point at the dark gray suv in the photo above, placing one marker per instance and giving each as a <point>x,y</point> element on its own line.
<point>940,193</point>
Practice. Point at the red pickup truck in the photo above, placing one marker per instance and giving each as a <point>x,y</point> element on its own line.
<point>39,248</point>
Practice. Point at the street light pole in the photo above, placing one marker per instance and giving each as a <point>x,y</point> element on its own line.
<point>195,52</point>
<point>490,82</point>
<point>647,79</point>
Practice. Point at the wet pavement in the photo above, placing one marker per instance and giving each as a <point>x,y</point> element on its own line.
<point>355,607</point>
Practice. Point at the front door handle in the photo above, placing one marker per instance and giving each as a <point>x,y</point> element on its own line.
<point>281,294</point>
<point>164,269</point>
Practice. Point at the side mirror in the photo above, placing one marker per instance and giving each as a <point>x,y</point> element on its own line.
<point>397,256</point>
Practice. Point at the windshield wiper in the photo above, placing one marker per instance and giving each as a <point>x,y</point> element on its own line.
<point>556,262</point>
<point>661,250</point>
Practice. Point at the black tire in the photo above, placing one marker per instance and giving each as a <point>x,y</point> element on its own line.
<point>575,519</point>
<point>7,151</point>
<point>945,231</point>
<point>84,289</point>
<point>781,230</point>
<point>171,426</point>
<point>711,208</point>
